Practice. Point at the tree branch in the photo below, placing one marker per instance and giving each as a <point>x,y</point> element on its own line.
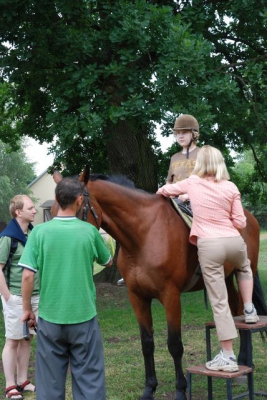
<point>238,64</point>
<point>259,165</point>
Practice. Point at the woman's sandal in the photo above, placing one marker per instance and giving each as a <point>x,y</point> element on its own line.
<point>21,387</point>
<point>13,395</point>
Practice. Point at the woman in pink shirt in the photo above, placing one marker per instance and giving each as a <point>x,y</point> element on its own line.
<point>218,217</point>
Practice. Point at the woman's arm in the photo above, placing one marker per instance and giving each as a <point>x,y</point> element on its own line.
<point>173,189</point>
<point>237,215</point>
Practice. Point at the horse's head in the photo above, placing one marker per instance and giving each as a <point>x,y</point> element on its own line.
<point>90,211</point>
<point>57,178</point>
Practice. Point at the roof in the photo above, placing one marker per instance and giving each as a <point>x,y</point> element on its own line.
<point>37,178</point>
<point>47,204</point>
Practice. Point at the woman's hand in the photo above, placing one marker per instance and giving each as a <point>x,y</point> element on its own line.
<point>183,197</point>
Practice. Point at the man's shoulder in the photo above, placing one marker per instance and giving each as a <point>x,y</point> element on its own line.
<point>76,222</point>
<point>41,227</point>
<point>5,238</point>
<point>5,241</point>
<point>5,246</point>
<point>90,227</point>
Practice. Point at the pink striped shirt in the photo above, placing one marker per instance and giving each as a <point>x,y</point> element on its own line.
<point>217,208</point>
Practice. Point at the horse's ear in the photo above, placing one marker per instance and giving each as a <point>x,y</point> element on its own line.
<point>57,176</point>
<point>85,175</point>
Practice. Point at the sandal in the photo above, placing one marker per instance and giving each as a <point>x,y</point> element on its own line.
<point>14,394</point>
<point>21,387</point>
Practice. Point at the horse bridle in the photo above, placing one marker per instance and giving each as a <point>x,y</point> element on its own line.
<point>88,204</point>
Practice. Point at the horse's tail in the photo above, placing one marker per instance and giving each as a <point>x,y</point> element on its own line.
<point>259,302</point>
<point>258,297</point>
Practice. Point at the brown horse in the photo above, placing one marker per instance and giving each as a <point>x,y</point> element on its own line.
<point>157,261</point>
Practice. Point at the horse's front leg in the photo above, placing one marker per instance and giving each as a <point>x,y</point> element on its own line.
<point>148,347</point>
<point>173,314</point>
<point>142,309</point>
<point>176,350</point>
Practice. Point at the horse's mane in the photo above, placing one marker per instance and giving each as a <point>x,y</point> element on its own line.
<point>117,179</point>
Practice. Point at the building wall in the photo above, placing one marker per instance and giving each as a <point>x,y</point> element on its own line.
<point>43,189</point>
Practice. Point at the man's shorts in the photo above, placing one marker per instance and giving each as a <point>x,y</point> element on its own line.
<point>13,311</point>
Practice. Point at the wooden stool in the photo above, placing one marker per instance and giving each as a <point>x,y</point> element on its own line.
<point>202,370</point>
<point>261,325</point>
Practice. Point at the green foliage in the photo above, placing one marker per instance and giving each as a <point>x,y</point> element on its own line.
<point>88,65</point>
<point>15,175</point>
<point>95,77</point>
<point>8,110</point>
<point>240,43</point>
<point>252,186</point>
<point>246,176</point>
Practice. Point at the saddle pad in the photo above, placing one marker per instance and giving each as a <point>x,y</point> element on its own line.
<point>184,214</point>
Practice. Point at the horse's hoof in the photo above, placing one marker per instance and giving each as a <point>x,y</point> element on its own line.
<point>147,395</point>
<point>146,398</point>
<point>180,396</point>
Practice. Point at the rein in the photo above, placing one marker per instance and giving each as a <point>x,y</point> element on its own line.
<point>88,204</point>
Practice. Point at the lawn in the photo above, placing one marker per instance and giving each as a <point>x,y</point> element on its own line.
<point>123,358</point>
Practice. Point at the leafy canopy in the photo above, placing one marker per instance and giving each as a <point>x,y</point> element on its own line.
<point>16,173</point>
<point>92,74</point>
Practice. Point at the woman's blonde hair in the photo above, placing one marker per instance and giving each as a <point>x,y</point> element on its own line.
<point>210,162</point>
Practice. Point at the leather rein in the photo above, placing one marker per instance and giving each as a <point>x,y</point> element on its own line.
<point>87,205</point>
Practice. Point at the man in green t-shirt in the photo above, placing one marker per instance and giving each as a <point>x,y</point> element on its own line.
<point>63,251</point>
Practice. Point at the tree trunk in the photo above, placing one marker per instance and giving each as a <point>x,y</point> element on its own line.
<point>130,154</point>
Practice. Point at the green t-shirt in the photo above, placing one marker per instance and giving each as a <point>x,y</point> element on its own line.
<point>63,251</point>
<point>15,270</point>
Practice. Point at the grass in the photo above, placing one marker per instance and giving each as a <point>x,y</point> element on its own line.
<point>123,357</point>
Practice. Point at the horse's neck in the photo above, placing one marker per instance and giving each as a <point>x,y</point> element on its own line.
<point>121,211</point>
